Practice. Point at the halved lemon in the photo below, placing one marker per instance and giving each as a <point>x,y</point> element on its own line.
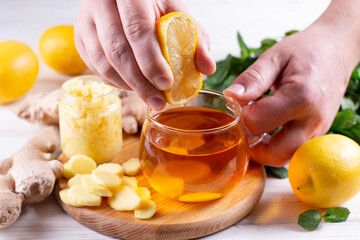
<point>177,37</point>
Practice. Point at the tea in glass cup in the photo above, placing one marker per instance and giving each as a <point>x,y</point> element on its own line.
<point>196,152</point>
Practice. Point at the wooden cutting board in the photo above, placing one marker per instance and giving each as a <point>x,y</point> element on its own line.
<point>173,219</point>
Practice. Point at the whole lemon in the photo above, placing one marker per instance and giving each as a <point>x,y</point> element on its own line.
<point>58,51</point>
<point>19,68</point>
<point>325,171</point>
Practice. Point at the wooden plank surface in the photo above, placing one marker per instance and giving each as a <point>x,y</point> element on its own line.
<point>275,215</point>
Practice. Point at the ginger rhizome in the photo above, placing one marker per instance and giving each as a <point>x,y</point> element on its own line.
<point>43,109</point>
<point>29,175</point>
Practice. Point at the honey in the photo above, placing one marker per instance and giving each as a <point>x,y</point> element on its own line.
<point>199,155</point>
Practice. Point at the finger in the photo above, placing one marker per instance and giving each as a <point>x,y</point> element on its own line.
<point>204,60</point>
<point>81,49</point>
<point>281,146</point>
<point>120,55</point>
<point>98,60</point>
<point>259,77</point>
<point>138,21</point>
<point>283,106</point>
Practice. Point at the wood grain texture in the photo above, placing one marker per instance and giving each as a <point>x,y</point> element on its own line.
<point>173,219</point>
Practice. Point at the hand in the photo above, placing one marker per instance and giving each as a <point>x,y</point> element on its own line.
<point>308,73</point>
<point>116,40</point>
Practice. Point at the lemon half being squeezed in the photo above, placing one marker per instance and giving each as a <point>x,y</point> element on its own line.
<point>177,36</point>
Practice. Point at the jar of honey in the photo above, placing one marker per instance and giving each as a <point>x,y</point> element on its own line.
<point>90,119</point>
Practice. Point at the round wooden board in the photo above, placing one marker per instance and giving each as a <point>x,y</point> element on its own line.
<point>173,219</point>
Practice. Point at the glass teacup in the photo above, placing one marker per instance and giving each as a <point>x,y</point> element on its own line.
<point>195,152</point>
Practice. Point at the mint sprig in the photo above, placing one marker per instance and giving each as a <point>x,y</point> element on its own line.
<point>339,214</point>
<point>311,219</point>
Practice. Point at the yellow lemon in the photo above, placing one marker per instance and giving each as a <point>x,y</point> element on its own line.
<point>19,68</point>
<point>58,51</point>
<point>177,38</point>
<point>325,171</point>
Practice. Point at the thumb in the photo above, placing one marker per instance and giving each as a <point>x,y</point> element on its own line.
<point>258,78</point>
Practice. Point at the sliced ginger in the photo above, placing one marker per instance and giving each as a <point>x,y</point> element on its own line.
<point>199,197</point>
<point>146,210</point>
<point>93,187</point>
<point>125,198</point>
<point>129,181</point>
<point>144,193</point>
<point>131,166</point>
<point>64,196</point>
<point>106,179</point>
<point>76,180</point>
<point>79,195</point>
<point>112,168</point>
<point>67,172</point>
<point>81,164</point>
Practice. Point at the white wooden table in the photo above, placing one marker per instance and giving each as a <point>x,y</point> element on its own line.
<point>275,216</point>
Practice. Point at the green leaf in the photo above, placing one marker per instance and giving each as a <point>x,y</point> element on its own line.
<point>348,103</point>
<point>227,82</point>
<point>267,43</point>
<point>244,50</point>
<point>288,33</point>
<point>222,71</point>
<point>347,123</point>
<point>356,73</point>
<point>278,172</point>
<point>310,219</point>
<point>344,119</point>
<point>339,214</point>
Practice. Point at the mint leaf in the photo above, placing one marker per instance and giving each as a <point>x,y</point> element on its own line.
<point>339,214</point>
<point>288,33</point>
<point>310,219</point>
<point>278,172</point>
<point>244,50</point>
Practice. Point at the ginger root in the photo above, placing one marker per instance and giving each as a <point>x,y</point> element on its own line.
<point>29,175</point>
<point>43,109</point>
<point>40,107</point>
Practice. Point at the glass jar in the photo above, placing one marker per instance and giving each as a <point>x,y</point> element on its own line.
<point>90,119</point>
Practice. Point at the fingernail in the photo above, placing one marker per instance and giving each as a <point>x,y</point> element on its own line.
<point>162,83</point>
<point>156,103</point>
<point>236,89</point>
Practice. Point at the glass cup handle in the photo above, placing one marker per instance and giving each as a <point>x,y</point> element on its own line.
<point>254,139</point>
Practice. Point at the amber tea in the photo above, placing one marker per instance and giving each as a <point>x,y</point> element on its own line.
<point>194,154</point>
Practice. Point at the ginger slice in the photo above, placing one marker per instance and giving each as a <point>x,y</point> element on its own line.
<point>81,164</point>
<point>173,188</point>
<point>199,197</point>
<point>129,181</point>
<point>112,168</point>
<point>131,166</point>
<point>124,199</point>
<point>80,196</point>
<point>67,172</point>
<point>76,180</point>
<point>146,210</point>
<point>106,179</point>
<point>93,187</point>
<point>144,193</point>
<point>64,196</point>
